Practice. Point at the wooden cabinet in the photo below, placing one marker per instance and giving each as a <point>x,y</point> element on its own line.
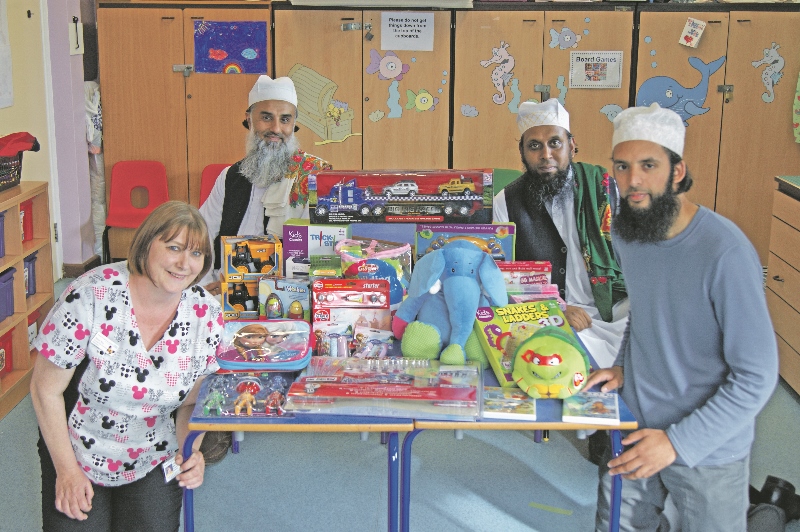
<point>500,59</point>
<point>757,142</point>
<point>151,111</point>
<point>361,107</point>
<point>736,141</point>
<point>783,276</point>
<point>667,71</point>
<point>15,384</point>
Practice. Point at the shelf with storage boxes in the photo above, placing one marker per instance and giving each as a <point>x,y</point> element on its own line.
<point>783,276</point>
<point>24,299</point>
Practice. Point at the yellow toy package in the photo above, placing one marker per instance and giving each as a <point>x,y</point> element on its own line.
<point>250,257</point>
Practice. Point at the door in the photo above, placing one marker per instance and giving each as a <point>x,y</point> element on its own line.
<point>591,111</point>
<point>666,67</point>
<point>498,58</point>
<point>327,73</point>
<point>406,100</point>
<point>216,103</point>
<point>757,138</point>
<point>143,112</point>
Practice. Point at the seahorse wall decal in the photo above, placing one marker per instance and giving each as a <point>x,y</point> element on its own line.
<point>772,74</point>
<point>501,75</point>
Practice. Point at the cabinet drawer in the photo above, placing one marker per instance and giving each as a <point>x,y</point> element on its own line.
<point>786,208</point>
<point>789,287</point>
<point>785,320</point>
<point>785,242</point>
<point>789,364</point>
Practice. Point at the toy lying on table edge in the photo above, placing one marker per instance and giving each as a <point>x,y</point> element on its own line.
<point>550,364</point>
<point>251,394</point>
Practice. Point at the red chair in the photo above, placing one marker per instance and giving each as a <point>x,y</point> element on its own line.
<point>125,177</point>
<point>208,178</point>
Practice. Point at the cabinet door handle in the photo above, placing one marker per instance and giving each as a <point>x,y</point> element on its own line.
<point>777,278</point>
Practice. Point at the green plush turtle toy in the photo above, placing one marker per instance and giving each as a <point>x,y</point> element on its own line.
<point>551,364</point>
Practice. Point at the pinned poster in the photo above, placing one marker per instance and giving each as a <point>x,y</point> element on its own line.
<point>595,70</point>
<point>230,47</point>
<point>407,31</point>
<point>691,32</point>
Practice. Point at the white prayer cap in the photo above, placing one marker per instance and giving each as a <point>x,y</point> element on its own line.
<point>662,126</point>
<point>549,113</point>
<point>267,88</point>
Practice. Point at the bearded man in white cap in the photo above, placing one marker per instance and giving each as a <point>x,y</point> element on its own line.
<point>257,194</point>
<point>562,210</point>
<point>699,359</point>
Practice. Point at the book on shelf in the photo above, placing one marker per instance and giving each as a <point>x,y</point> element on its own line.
<point>501,329</point>
<point>598,408</point>
<point>508,403</point>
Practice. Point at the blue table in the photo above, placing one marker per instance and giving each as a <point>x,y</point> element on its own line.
<point>548,417</point>
<point>300,423</point>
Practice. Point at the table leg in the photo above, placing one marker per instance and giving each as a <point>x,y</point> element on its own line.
<point>238,436</point>
<point>188,495</point>
<point>616,484</point>
<point>394,458</point>
<point>405,481</point>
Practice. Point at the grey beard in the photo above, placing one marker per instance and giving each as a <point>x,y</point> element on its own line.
<point>266,164</point>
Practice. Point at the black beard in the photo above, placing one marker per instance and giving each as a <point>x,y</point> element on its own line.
<point>544,188</point>
<point>651,224</point>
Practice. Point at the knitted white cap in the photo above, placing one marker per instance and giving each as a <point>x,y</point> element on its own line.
<point>267,88</point>
<point>549,113</point>
<point>662,126</point>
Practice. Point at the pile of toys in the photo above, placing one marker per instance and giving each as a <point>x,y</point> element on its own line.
<point>436,296</point>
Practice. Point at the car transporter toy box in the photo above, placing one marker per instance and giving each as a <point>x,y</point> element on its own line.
<point>435,196</point>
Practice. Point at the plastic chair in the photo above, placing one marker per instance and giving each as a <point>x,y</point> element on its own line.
<point>125,177</point>
<point>504,176</point>
<point>208,178</point>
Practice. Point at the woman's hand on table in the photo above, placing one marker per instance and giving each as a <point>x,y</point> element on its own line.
<point>192,470</point>
<point>74,494</point>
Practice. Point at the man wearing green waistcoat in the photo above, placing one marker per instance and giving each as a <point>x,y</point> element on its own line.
<point>563,212</point>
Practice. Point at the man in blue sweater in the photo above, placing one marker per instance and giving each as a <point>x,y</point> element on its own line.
<point>698,360</point>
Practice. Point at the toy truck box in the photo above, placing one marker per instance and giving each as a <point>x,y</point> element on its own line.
<point>428,196</point>
<point>301,238</point>
<point>495,239</point>
<point>501,329</point>
<point>247,258</point>
<point>279,297</point>
<point>239,300</point>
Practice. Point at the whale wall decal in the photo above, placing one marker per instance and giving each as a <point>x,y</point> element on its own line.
<point>670,94</point>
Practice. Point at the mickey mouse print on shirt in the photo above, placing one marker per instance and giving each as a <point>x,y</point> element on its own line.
<point>121,426</point>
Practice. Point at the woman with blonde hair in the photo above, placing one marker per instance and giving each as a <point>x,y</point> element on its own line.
<point>122,354</point>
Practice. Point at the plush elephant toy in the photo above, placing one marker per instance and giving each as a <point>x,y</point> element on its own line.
<point>447,287</point>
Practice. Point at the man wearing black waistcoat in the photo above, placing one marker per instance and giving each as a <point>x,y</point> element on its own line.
<point>257,194</point>
<point>562,210</point>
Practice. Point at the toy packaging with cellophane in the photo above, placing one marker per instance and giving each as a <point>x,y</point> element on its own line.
<point>391,387</point>
<point>284,345</point>
<point>496,239</point>
<point>377,259</point>
<point>400,196</point>
<point>341,305</point>
<point>244,394</point>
